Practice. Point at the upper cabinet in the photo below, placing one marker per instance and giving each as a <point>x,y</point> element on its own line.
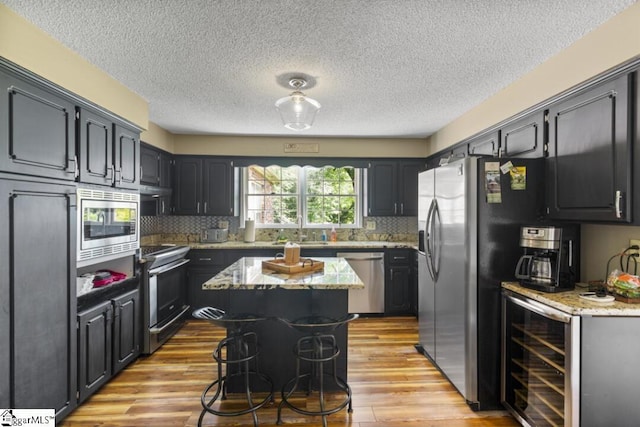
<point>203,186</point>
<point>392,187</point>
<point>37,134</point>
<point>155,166</point>
<point>485,145</point>
<point>524,137</point>
<point>589,163</point>
<point>109,151</point>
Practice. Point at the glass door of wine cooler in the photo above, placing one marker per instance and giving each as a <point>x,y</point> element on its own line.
<point>540,372</point>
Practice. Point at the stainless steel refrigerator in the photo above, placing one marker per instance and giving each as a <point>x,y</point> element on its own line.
<point>469,217</point>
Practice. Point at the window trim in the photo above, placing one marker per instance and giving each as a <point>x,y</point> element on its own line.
<point>302,177</point>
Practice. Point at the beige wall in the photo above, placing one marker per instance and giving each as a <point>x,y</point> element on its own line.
<point>155,135</point>
<point>613,43</point>
<point>275,147</point>
<point>31,48</point>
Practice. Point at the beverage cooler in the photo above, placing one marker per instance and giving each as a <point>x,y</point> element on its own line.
<point>541,363</point>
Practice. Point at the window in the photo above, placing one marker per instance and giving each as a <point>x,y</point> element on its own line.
<point>277,196</point>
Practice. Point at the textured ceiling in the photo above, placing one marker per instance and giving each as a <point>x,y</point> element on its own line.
<point>380,68</point>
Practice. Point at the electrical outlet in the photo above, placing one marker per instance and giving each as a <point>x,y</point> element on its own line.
<point>634,242</point>
<point>223,224</point>
<point>371,225</point>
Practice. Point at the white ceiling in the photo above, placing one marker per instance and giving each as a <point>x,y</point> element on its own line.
<point>380,68</point>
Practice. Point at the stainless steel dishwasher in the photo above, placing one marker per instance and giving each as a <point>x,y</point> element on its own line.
<point>369,266</point>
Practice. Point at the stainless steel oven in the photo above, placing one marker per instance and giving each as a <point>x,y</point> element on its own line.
<point>164,286</point>
<point>107,224</point>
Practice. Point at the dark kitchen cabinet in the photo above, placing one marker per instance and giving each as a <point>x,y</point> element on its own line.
<point>399,284</point>
<point>589,154</point>
<point>127,313</point>
<point>37,130</point>
<point>203,265</point>
<point>392,187</point>
<point>94,349</point>
<point>485,145</point>
<point>524,138</point>
<point>109,151</point>
<point>155,166</point>
<point>203,186</point>
<point>38,355</point>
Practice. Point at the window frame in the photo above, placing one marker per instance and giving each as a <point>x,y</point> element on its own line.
<point>302,195</point>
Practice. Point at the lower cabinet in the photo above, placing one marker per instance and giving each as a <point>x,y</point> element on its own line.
<point>400,283</point>
<point>108,340</point>
<point>203,265</point>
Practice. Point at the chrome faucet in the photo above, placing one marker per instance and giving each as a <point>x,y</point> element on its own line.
<point>301,236</point>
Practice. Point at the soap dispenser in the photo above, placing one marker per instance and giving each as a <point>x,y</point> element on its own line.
<point>334,234</point>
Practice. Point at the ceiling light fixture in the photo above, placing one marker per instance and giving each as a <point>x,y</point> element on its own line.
<point>297,110</point>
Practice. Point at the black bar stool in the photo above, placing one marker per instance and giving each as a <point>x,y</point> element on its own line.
<point>317,347</point>
<point>240,349</point>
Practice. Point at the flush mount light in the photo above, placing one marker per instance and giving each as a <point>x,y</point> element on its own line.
<point>297,110</point>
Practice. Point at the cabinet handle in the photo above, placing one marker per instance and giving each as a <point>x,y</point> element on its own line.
<point>398,258</point>
<point>162,207</point>
<point>401,208</point>
<point>618,204</point>
<point>204,259</point>
<point>198,207</point>
<point>118,175</point>
<point>205,207</point>
<point>395,208</point>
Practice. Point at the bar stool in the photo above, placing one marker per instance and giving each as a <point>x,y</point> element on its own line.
<point>241,348</point>
<point>317,347</point>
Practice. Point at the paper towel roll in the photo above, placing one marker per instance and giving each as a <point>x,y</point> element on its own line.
<point>249,231</point>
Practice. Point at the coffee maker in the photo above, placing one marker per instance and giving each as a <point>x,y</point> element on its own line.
<point>550,261</point>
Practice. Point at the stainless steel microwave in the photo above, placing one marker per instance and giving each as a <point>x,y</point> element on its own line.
<point>107,224</point>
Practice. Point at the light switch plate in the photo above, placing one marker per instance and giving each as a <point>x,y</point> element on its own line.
<point>223,224</point>
<point>371,225</point>
<point>634,242</point>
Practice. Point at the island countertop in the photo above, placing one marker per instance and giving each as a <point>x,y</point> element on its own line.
<point>247,273</point>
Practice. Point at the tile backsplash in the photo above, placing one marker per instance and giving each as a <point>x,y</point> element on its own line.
<point>386,228</point>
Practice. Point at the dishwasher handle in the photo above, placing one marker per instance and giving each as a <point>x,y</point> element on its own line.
<point>370,258</point>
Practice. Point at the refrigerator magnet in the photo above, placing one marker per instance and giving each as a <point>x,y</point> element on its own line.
<point>518,177</point>
<point>492,182</point>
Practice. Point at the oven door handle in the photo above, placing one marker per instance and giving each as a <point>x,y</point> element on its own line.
<point>168,267</point>
<point>156,331</point>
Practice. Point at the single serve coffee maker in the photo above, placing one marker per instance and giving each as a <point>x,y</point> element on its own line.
<point>550,260</point>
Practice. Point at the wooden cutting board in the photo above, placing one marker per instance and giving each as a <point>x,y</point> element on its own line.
<point>305,265</point>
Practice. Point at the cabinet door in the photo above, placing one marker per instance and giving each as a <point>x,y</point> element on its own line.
<point>408,190</point>
<point>94,349</point>
<point>524,137</point>
<point>589,155</point>
<point>485,145</point>
<point>126,328</point>
<point>188,190</point>
<point>382,178</point>
<point>37,135</point>
<point>126,157</point>
<point>96,148</point>
<point>149,166</point>
<point>166,170</point>
<point>218,187</point>
<point>38,358</point>
<point>397,291</point>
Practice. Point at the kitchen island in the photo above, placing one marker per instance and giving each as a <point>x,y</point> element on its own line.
<point>273,295</point>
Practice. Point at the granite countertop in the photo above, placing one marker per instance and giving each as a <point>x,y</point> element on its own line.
<point>571,303</point>
<point>247,273</point>
<point>355,244</point>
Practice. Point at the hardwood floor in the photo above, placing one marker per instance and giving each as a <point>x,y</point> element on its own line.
<point>392,385</point>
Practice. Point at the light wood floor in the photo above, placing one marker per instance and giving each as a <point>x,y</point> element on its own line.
<point>392,385</point>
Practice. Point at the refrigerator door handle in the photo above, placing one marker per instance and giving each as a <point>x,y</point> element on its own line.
<point>437,240</point>
<point>429,240</point>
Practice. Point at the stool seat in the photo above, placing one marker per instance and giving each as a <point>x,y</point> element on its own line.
<point>236,352</point>
<point>317,347</point>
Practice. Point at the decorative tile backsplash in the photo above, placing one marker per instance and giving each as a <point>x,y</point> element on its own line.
<point>401,229</point>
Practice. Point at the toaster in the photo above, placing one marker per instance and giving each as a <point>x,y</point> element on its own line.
<point>214,235</point>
